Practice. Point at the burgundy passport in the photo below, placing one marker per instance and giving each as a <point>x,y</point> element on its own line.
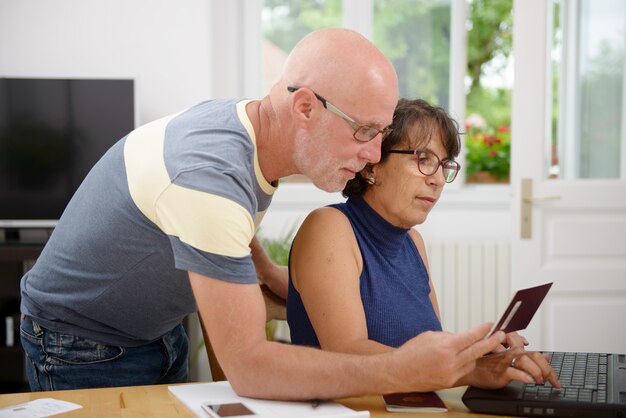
<point>414,402</point>
<point>521,309</point>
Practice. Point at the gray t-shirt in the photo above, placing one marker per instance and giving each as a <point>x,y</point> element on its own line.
<point>183,193</point>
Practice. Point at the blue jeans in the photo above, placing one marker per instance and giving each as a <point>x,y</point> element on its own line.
<point>57,361</point>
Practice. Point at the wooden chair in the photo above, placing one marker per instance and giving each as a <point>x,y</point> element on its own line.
<point>275,308</point>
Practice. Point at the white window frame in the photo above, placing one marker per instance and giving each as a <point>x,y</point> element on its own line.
<point>569,94</point>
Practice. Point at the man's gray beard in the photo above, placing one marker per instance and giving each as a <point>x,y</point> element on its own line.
<point>316,172</point>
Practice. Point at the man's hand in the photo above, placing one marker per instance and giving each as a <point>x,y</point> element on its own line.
<point>277,280</point>
<point>275,277</point>
<point>441,359</point>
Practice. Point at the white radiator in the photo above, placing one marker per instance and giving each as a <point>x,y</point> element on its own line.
<point>471,280</point>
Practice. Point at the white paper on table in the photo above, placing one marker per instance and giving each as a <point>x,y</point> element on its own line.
<point>39,408</point>
<point>194,395</point>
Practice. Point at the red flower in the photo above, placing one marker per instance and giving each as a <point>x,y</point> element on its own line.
<point>504,128</point>
<point>490,140</point>
<point>493,153</point>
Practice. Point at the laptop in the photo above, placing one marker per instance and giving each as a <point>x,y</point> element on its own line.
<point>593,385</point>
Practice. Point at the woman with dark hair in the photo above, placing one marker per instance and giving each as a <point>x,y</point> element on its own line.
<point>359,280</point>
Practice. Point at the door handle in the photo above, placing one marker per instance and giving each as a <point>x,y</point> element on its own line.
<point>539,199</point>
<point>527,209</point>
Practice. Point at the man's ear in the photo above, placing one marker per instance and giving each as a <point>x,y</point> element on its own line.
<point>302,103</point>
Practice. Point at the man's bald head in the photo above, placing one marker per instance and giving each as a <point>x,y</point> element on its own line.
<point>339,61</point>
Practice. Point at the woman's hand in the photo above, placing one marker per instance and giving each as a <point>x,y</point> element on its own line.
<point>513,339</point>
<point>510,361</point>
<point>438,360</point>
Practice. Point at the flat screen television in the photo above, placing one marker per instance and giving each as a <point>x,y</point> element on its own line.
<point>52,131</point>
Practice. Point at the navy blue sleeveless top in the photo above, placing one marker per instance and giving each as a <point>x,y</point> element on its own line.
<point>394,283</point>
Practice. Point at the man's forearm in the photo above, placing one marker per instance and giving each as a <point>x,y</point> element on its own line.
<point>431,361</point>
<point>280,371</point>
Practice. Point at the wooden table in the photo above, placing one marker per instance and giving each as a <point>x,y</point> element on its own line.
<point>157,401</point>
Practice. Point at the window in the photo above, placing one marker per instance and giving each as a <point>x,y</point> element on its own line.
<point>489,86</point>
<point>285,22</point>
<point>588,132</point>
<point>414,34</point>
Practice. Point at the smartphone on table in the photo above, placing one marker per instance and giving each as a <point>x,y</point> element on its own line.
<point>222,410</point>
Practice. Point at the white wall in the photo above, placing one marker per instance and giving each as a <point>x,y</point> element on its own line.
<point>163,44</point>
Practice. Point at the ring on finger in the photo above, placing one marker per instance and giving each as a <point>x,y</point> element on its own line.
<point>513,362</point>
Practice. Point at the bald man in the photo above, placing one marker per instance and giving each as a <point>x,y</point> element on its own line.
<point>164,224</point>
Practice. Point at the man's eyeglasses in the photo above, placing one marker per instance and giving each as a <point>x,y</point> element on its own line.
<point>428,163</point>
<point>362,133</point>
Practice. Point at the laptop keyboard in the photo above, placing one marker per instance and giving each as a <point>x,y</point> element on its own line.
<point>583,378</point>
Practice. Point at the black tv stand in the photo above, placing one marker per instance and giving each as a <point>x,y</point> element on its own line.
<point>24,236</point>
<point>15,259</point>
<point>12,235</point>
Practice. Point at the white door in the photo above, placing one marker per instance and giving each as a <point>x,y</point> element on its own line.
<point>574,231</point>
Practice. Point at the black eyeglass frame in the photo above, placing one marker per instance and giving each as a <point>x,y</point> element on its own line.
<point>455,169</point>
<point>367,133</point>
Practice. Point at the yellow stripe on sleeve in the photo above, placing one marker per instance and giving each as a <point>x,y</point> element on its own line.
<point>205,221</point>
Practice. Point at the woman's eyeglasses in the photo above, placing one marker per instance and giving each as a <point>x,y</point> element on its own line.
<point>428,163</point>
